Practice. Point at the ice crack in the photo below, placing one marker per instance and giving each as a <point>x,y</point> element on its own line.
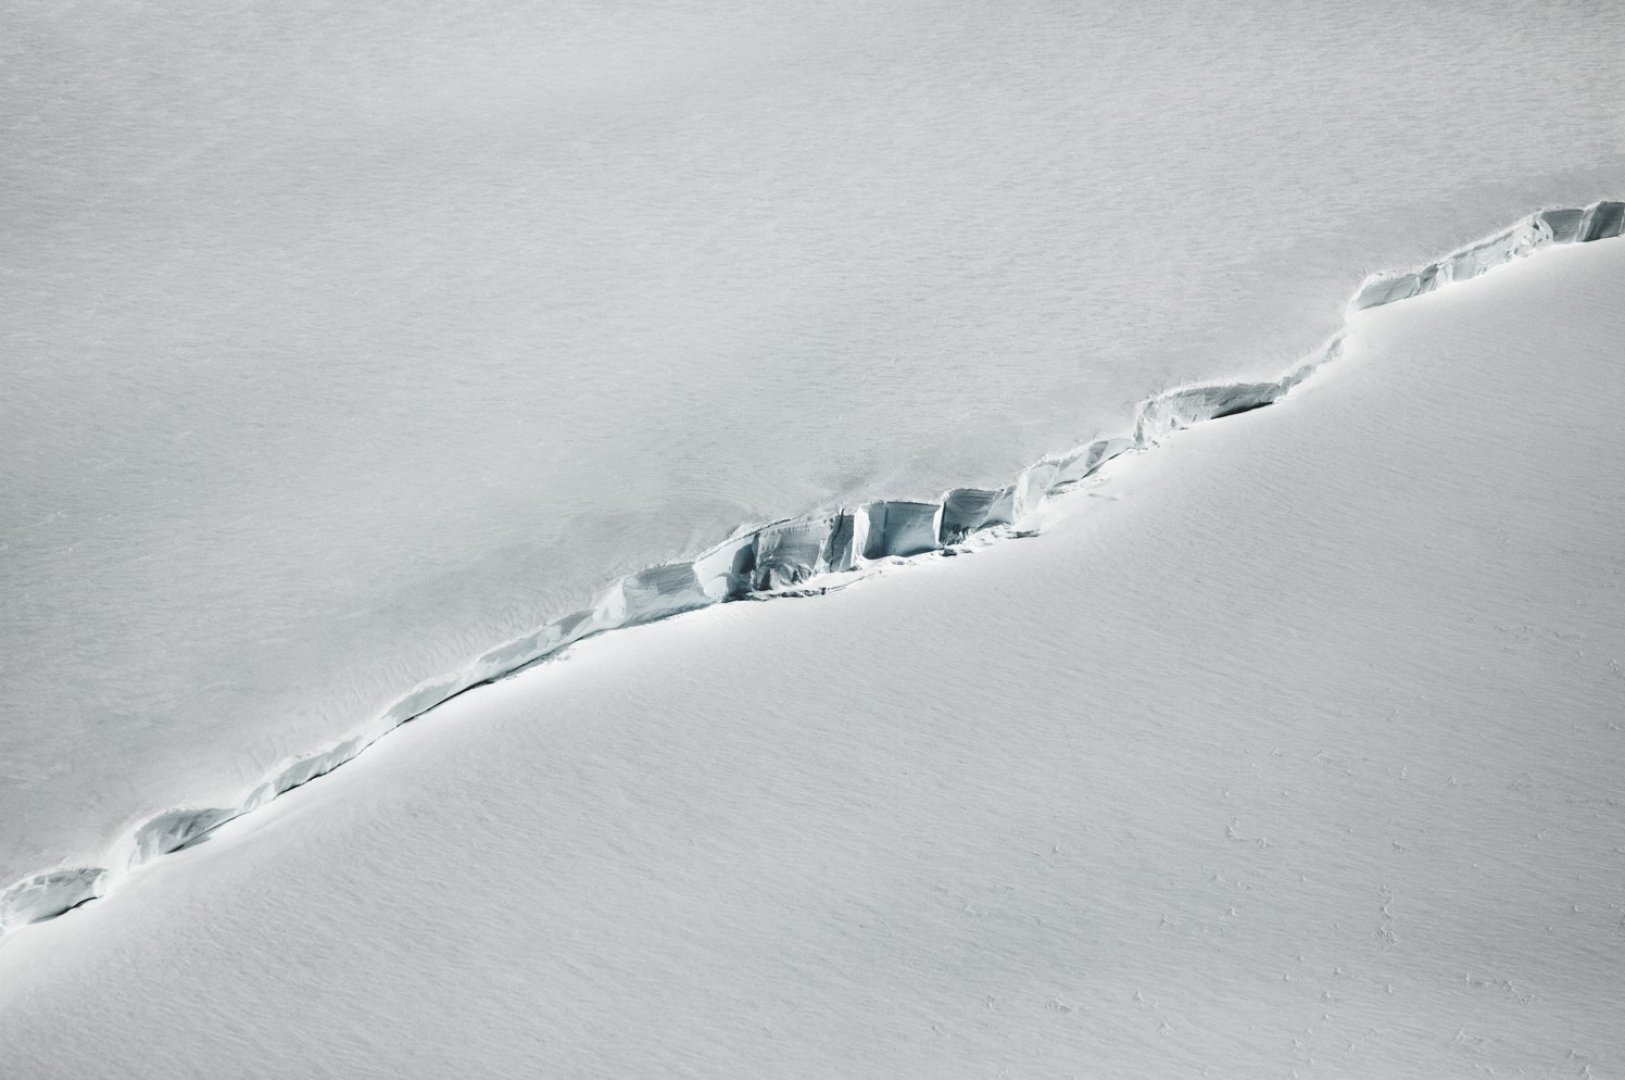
<point>808,555</point>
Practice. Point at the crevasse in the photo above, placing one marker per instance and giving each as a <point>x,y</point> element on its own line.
<point>808,553</point>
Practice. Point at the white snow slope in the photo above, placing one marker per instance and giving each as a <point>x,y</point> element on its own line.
<point>1292,743</point>
<point>812,552</point>
<point>343,343</point>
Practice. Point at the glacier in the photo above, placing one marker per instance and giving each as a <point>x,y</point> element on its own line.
<point>1293,744</point>
<point>817,551</point>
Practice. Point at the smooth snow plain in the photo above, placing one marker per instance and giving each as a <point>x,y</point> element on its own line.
<point>346,343</point>
<point>1289,744</point>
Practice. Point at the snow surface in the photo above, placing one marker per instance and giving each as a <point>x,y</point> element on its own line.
<point>804,552</point>
<point>344,343</point>
<point>1293,742</point>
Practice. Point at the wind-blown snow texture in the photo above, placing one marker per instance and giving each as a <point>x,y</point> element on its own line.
<point>819,551</point>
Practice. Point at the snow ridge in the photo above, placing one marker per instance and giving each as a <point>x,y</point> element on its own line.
<point>811,553</point>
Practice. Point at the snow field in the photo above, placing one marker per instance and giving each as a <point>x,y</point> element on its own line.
<point>1290,744</point>
<point>798,552</point>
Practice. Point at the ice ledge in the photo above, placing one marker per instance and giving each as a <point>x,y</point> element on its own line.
<point>805,554</point>
<point>1599,221</point>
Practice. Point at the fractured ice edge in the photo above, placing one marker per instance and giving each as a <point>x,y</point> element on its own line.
<point>808,554</point>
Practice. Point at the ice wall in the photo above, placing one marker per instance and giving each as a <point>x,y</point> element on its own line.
<point>815,551</point>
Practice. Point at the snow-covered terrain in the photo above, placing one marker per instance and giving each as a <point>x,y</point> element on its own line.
<point>344,344</point>
<point>1180,445</point>
<point>814,553</point>
<point>1292,743</point>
